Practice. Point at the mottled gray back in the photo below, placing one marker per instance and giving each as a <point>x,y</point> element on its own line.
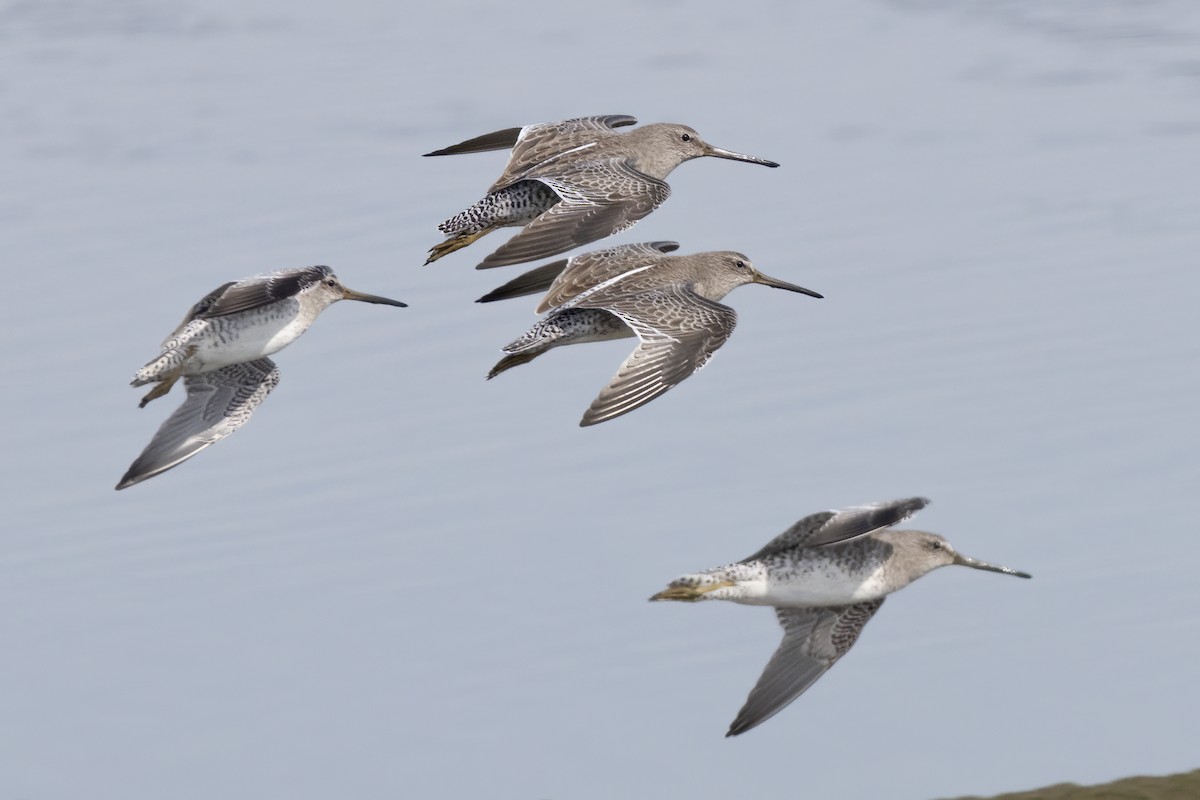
<point>541,144</point>
<point>256,292</point>
<point>828,527</point>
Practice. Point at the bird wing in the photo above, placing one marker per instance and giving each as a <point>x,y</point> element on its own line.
<point>197,311</point>
<point>828,527</point>
<point>531,282</point>
<point>542,144</point>
<point>589,270</point>
<point>256,292</point>
<point>499,140</point>
<point>678,331</point>
<point>534,143</point>
<point>813,640</point>
<point>598,198</point>
<point>217,404</point>
<point>567,278</point>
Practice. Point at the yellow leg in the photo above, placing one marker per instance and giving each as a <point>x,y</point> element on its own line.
<point>690,594</point>
<point>164,386</point>
<point>511,360</point>
<point>454,243</point>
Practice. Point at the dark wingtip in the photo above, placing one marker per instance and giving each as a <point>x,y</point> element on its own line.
<point>903,509</point>
<point>535,280</point>
<point>498,140</point>
<point>500,256</point>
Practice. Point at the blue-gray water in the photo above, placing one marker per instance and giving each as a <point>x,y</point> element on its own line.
<point>400,580</point>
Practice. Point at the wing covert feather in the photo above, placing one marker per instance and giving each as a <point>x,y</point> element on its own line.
<point>678,333</point>
<point>813,640</point>
<point>830,527</point>
<point>537,144</point>
<point>589,270</point>
<point>217,404</point>
<point>256,292</point>
<point>599,198</point>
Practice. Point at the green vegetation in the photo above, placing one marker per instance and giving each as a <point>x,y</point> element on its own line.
<point>1183,786</point>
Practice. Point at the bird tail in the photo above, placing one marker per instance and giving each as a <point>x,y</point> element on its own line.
<point>545,334</point>
<point>691,588</point>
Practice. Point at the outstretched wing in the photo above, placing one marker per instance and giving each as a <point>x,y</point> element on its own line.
<point>598,199</point>
<point>589,270</point>
<point>256,292</point>
<point>499,140</point>
<point>827,527</point>
<point>531,282</point>
<point>217,404</point>
<point>538,144</point>
<point>535,143</point>
<point>567,278</point>
<point>813,640</point>
<point>678,331</point>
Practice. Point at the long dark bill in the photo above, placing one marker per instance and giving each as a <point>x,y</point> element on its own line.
<point>719,153</point>
<point>775,283</point>
<point>975,563</point>
<point>350,294</point>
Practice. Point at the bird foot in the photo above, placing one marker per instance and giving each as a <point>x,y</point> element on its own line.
<point>690,594</point>
<point>512,360</point>
<point>454,243</point>
<point>164,386</point>
<point>160,388</point>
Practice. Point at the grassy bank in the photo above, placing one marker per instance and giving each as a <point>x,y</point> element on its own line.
<point>1182,786</point>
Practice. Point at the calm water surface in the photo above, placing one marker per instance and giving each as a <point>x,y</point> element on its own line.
<point>402,580</point>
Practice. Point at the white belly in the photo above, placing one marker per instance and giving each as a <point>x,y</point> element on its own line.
<point>830,586</point>
<point>822,582</point>
<point>249,337</point>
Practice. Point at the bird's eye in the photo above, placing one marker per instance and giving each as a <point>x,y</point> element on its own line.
<point>935,545</point>
<point>740,264</point>
<point>331,281</point>
<point>687,137</point>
